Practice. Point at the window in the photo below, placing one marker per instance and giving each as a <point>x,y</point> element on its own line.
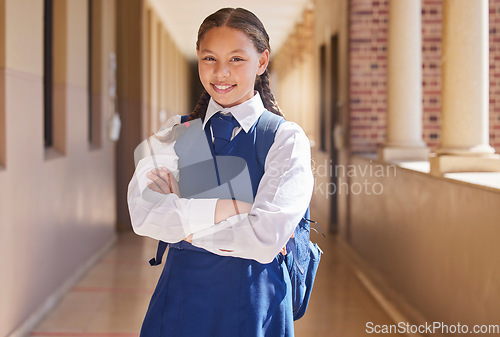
<point>94,73</point>
<point>55,47</point>
<point>2,85</point>
<point>90,86</point>
<point>322,90</point>
<point>48,73</point>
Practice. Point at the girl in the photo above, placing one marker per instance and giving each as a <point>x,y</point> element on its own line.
<point>226,189</point>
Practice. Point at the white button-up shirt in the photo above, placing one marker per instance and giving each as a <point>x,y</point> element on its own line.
<point>282,198</point>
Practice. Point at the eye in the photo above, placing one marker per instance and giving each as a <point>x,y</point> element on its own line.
<point>237,59</point>
<point>208,58</point>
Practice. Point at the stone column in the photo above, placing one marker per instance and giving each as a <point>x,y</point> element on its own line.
<point>465,84</point>
<point>404,99</point>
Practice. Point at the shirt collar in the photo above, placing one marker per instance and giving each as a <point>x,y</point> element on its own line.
<point>245,113</point>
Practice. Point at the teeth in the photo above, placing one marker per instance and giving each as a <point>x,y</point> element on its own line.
<point>222,87</point>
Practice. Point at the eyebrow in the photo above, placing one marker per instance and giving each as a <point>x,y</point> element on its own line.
<point>231,52</point>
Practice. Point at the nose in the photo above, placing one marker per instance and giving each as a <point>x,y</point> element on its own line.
<point>222,70</point>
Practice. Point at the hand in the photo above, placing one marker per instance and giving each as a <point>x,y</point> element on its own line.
<point>283,250</point>
<point>162,181</point>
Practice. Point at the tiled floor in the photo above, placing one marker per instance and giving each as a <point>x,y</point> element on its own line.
<point>112,298</point>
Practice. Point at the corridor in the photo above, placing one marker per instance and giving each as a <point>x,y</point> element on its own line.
<point>112,298</point>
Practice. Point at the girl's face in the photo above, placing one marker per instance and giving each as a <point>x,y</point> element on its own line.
<point>228,64</point>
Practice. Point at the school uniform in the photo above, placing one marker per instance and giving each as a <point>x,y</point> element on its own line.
<point>231,280</point>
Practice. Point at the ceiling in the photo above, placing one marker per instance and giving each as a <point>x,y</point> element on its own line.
<point>183,18</point>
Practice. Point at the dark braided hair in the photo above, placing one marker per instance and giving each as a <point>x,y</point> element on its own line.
<point>249,24</point>
<point>264,88</point>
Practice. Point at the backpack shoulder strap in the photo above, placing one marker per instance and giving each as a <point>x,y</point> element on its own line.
<point>162,247</point>
<point>266,128</point>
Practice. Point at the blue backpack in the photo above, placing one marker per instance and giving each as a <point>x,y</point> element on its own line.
<point>303,256</point>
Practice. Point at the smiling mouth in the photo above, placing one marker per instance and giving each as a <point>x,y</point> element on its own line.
<point>222,89</point>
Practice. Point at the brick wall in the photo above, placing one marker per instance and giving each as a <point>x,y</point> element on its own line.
<point>368,63</point>
<point>495,74</point>
<point>431,71</point>
<point>368,68</point>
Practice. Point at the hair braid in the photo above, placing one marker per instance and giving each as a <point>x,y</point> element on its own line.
<point>201,107</point>
<point>263,87</point>
<point>178,129</point>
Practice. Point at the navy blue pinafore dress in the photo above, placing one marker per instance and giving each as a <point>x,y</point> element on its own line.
<point>201,294</point>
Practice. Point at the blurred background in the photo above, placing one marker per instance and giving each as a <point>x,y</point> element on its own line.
<point>400,100</point>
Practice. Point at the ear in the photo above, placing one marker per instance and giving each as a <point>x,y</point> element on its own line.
<point>263,62</point>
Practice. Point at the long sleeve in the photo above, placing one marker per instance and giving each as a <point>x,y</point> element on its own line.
<point>163,217</point>
<point>282,198</point>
